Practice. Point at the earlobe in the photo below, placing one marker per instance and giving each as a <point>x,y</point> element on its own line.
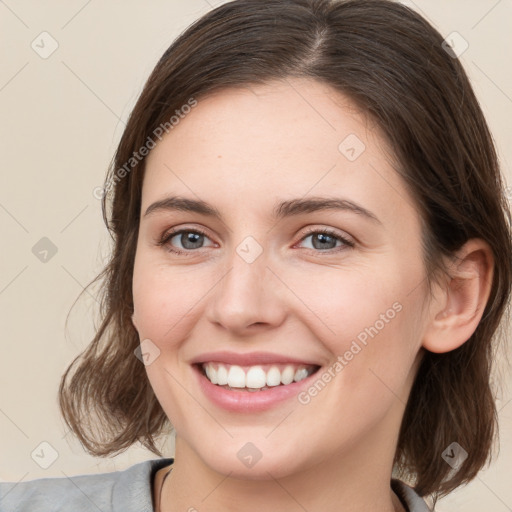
<point>461,299</point>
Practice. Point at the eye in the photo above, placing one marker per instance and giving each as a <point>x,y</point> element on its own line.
<point>324,240</point>
<point>187,240</point>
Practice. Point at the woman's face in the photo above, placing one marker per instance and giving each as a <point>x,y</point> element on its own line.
<point>259,294</point>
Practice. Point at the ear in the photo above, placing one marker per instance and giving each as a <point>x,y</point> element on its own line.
<point>459,302</point>
<point>133,321</point>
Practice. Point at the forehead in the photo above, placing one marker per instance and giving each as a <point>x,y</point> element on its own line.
<point>275,121</point>
<point>283,139</point>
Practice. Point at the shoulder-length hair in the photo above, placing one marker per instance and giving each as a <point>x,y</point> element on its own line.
<point>394,66</point>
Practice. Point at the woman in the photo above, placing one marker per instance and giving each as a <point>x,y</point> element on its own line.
<point>311,260</point>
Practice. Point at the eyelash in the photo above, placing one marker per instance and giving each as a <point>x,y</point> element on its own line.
<point>166,238</point>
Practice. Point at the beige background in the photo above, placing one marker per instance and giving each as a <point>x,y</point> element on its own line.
<point>61,119</point>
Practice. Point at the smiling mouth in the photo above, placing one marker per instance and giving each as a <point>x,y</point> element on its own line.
<point>255,378</point>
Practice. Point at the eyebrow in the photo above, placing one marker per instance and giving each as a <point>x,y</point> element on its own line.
<point>282,210</point>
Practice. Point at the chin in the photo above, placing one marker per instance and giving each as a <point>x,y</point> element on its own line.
<point>249,463</point>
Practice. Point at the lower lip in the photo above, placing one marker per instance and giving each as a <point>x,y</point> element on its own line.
<point>250,401</point>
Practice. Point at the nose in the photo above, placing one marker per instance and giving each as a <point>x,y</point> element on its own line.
<point>247,298</point>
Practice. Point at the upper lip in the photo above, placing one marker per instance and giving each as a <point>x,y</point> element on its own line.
<point>249,358</point>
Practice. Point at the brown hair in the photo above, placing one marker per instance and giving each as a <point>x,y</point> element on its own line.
<point>391,63</point>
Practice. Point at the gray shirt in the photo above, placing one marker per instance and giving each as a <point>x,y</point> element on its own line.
<point>129,490</point>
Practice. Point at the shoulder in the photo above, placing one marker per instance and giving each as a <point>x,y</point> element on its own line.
<point>410,498</point>
<point>119,491</point>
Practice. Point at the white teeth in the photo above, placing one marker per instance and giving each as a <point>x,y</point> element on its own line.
<point>236,377</point>
<point>256,378</point>
<point>211,374</point>
<point>273,376</point>
<point>300,374</point>
<point>287,375</point>
<point>222,376</point>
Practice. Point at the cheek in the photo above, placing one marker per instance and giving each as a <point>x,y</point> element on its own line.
<point>343,302</point>
<point>369,317</point>
<point>165,299</point>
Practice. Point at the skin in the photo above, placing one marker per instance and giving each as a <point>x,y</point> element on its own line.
<point>243,151</point>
